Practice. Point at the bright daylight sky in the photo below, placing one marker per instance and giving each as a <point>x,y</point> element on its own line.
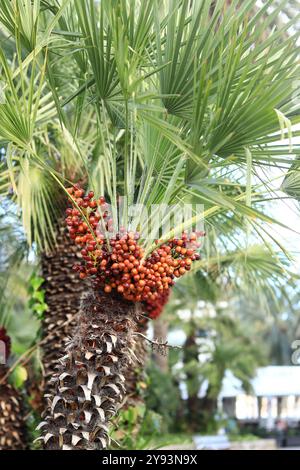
<point>288,213</point>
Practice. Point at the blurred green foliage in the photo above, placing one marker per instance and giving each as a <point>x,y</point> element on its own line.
<point>163,397</point>
<point>37,302</point>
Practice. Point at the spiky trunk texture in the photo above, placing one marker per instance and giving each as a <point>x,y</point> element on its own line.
<point>63,292</point>
<point>90,384</point>
<point>12,424</point>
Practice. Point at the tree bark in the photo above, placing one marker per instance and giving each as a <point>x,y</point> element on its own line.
<point>90,385</point>
<point>12,423</point>
<point>63,292</point>
<point>190,353</point>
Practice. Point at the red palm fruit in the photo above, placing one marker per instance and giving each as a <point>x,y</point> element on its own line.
<point>123,264</point>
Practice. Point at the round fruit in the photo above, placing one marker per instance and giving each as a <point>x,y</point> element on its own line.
<point>117,262</point>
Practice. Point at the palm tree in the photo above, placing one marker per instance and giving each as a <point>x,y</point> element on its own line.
<point>276,320</point>
<point>12,415</point>
<point>225,340</point>
<point>233,350</point>
<point>12,434</point>
<point>186,101</point>
<point>12,252</point>
<point>42,207</point>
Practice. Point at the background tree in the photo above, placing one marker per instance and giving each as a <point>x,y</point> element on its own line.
<point>219,337</point>
<point>13,273</point>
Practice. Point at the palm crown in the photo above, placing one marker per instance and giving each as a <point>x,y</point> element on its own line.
<point>160,103</point>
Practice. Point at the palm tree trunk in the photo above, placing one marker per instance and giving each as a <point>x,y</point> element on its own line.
<point>12,423</point>
<point>209,407</point>
<point>160,332</point>
<point>63,292</point>
<point>90,385</point>
<point>190,352</point>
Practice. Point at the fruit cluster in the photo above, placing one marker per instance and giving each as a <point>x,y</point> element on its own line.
<point>155,308</point>
<point>117,262</point>
<point>6,340</point>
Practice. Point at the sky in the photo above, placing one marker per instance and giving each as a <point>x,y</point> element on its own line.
<point>288,213</point>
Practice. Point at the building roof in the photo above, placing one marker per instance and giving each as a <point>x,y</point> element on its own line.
<point>269,381</point>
